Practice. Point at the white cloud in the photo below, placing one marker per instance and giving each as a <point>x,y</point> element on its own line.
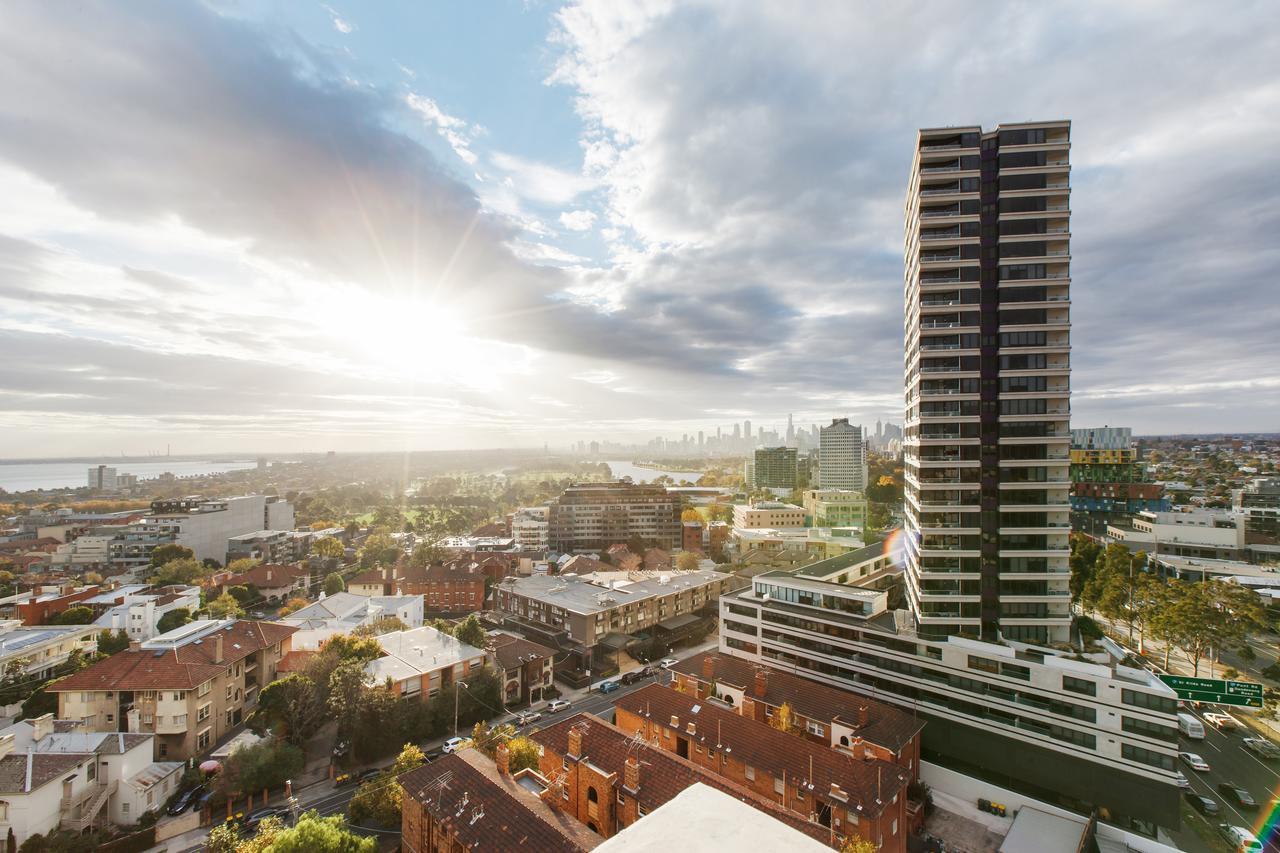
<point>457,132</point>
<point>339,23</point>
<point>578,220</point>
<point>540,182</point>
<point>543,253</point>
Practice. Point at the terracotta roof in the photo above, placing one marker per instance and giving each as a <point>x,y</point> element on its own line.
<point>869,783</point>
<point>295,661</point>
<point>268,576</point>
<point>370,576</point>
<point>512,652</point>
<point>887,726</point>
<point>183,668</point>
<point>462,785</point>
<point>663,774</point>
<point>493,528</point>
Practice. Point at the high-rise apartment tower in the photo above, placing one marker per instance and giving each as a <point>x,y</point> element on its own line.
<point>842,456</point>
<point>987,370</point>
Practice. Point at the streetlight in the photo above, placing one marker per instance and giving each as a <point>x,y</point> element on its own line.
<point>456,694</point>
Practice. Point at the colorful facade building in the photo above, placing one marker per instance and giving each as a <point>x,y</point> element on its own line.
<point>1107,479</point>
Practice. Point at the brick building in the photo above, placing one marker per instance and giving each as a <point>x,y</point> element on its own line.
<point>526,668</point>
<point>827,715</point>
<point>272,580</point>
<point>845,795</point>
<point>189,687</point>
<point>457,587</point>
<point>609,780</point>
<point>39,607</point>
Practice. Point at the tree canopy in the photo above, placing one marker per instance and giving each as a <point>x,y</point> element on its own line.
<point>163,554</point>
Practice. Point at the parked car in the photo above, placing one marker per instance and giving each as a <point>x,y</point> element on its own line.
<point>341,748</point>
<point>1233,792</point>
<point>524,718</point>
<point>667,663</point>
<point>366,775</point>
<point>1194,761</point>
<point>185,800</point>
<point>452,744</point>
<point>555,706</point>
<point>609,686</point>
<point>251,823</point>
<point>1240,838</point>
<point>1262,747</point>
<point>1199,802</point>
<point>1184,784</point>
<point>433,754</point>
<point>631,677</point>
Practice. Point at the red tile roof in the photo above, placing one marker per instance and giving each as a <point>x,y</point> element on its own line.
<point>268,576</point>
<point>870,783</point>
<point>183,668</point>
<point>513,652</point>
<point>663,774</point>
<point>887,726</point>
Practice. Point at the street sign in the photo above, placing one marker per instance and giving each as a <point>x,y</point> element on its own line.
<point>1216,691</point>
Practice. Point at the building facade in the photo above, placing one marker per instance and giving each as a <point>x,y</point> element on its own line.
<point>835,508</point>
<point>593,516</point>
<point>775,468</point>
<point>1078,732</point>
<point>772,515</point>
<point>1108,482</point>
<point>987,376</point>
<point>1259,503</point>
<point>842,456</point>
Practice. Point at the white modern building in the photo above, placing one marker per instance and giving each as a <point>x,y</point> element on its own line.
<point>767,514</point>
<point>137,609</point>
<point>531,528</point>
<point>204,526</point>
<point>54,774</point>
<point>842,456</point>
<point>1061,724</point>
<point>1199,533</point>
<point>987,374</point>
<point>41,648</point>
<point>344,612</point>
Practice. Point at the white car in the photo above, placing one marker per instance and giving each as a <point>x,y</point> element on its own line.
<point>452,744</point>
<point>1194,761</point>
<point>555,706</point>
<point>667,663</point>
<point>1262,747</point>
<point>1184,784</point>
<point>1239,838</point>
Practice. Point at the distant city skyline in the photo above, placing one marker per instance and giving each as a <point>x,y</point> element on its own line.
<point>464,227</point>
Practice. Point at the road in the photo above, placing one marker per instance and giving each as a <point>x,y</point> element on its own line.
<point>327,799</point>
<point>1228,761</point>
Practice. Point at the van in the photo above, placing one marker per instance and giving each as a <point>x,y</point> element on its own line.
<point>1240,839</point>
<point>1190,727</point>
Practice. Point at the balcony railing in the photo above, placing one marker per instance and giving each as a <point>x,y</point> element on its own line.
<point>935,214</point>
<point>939,256</point>
<point>942,191</point>
<point>939,168</point>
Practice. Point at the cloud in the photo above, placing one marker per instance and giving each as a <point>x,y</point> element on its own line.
<point>578,220</point>
<point>338,23</point>
<point>455,131</point>
<point>540,182</point>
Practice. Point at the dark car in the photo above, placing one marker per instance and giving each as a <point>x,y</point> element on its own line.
<point>433,754</point>
<point>255,818</point>
<point>609,686</point>
<point>1201,803</point>
<point>366,775</point>
<point>341,748</point>
<point>1237,795</point>
<point>185,800</point>
<point>631,677</point>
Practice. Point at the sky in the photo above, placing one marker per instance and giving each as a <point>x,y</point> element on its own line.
<point>290,226</point>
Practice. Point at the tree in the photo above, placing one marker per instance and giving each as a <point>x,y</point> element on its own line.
<point>690,514</point>
<point>263,765</point>
<point>688,561</point>
<point>163,554</point>
<point>333,584</point>
<point>329,548</point>
<point>523,754</point>
<point>175,618</point>
<point>315,834</point>
<point>858,844</point>
<point>629,561</point>
<point>352,647</point>
<point>92,578</point>
<point>379,548</point>
<point>109,643</point>
<point>471,632</point>
<point>346,690</point>
<point>243,594</point>
<point>242,565</point>
<point>74,616</point>
<point>225,606</point>
<point>294,705</point>
<point>1084,553</point>
<point>783,719</point>
<point>380,798</point>
<point>181,570</point>
<point>223,838</point>
<point>486,738</point>
<point>292,605</point>
<point>382,625</point>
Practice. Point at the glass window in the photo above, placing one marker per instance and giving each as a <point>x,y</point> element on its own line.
<point>1079,685</point>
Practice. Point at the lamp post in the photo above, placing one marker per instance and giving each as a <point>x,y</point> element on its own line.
<point>461,685</point>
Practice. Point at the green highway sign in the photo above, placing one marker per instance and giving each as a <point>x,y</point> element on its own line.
<point>1216,691</point>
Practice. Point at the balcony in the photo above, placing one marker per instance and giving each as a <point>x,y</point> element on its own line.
<point>81,810</point>
<point>937,214</point>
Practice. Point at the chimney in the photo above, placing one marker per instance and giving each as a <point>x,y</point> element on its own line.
<point>6,746</point>
<point>41,726</point>
<point>217,648</point>
<point>709,667</point>
<point>575,742</point>
<point>135,645</point>
<point>631,774</point>
<point>268,574</point>
<point>762,683</point>
<point>503,759</point>
<point>864,714</point>
<point>675,721</point>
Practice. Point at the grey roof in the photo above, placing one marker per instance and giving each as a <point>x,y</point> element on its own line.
<point>593,593</point>
<point>822,568</point>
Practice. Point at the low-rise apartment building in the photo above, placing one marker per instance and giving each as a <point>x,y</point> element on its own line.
<point>525,667</point>
<point>40,649</point>
<point>422,662</point>
<point>279,581</point>
<point>531,528</point>
<point>590,517</point>
<point>850,796</point>
<point>845,721</point>
<point>269,546</point>
<point>771,515</point>
<point>454,588</point>
<point>1068,728</point>
<point>42,605</point>
<point>835,508</point>
<point>188,687</point>
<point>344,612</point>
<point>137,609</point>
<point>53,774</point>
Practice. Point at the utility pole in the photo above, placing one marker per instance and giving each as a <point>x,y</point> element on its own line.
<point>456,693</point>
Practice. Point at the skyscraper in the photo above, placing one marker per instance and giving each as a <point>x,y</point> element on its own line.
<point>842,456</point>
<point>987,373</point>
